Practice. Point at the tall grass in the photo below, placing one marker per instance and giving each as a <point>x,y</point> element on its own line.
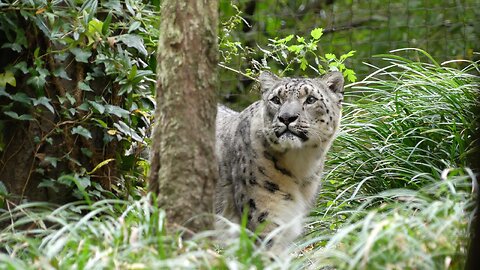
<point>397,195</point>
<point>399,191</point>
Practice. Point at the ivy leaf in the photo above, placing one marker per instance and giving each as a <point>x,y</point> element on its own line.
<point>82,132</point>
<point>23,117</point>
<point>126,130</point>
<point>97,106</point>
<point>132,73</point>
<point>3,189</point>
<point>45,102</point>
<point>133,41</point>
<point>9,78</point>
<point>101,164</point>
<point>85,87</point>
<point>81,55</point>
<point>70,98</point>
<point>4,93</point>
<point>37,81</point>
<point>316,33</point>
<point>21,66</point>
<point>22,98</point>
<point>112,109</point>
<point>61,73</point>
<point>48,183</point>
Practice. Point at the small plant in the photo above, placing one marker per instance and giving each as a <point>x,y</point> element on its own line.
<point>289,54</point>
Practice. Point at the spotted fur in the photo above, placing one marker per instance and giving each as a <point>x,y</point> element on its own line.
<point>271,154</point>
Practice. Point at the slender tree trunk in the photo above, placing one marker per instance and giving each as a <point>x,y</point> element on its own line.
<point>184,170</point>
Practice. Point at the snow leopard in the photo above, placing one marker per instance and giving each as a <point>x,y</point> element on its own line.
<point>271,155</point>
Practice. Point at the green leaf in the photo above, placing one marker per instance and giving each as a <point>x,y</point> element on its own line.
<point>21,66</point>
<point>22,98</point>
<point>330,56</point>
<point>132,73</point>
<point>86,152</point>
<point>70,98</point>
<point>84,86</point>
<point>3,189</point>
<point>52,161</point>
<point>23,117</point>
<point>303,63</point>
<point>81,55</point>
<point>100,122</point>
<point>316,33</point>
<point>61,73</point>
<point>350,74</point>
<point>48,183</point>
<point>134,26</point>
<point>5,94</point>
<point>45,102</point>
<point>82,132</point>
<point>296,48</point>
<point>37,81</point>
<point>95,26</point>
<point>106,23</point>
<point>83,182</point>
<point>347,55</point>
<point>133,41</point>
<point>97,106</point>
<point>126,130</point>
<point>112,109</point>
<point>7,78</point>
<point>300,39</point>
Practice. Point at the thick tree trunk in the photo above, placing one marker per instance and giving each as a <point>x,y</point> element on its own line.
<point>184,169</point>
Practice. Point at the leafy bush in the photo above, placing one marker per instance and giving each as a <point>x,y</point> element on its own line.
<point>79,78</point>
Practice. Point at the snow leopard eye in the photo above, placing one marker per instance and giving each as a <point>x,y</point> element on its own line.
<point>276,100</point>
<point>311,100</point>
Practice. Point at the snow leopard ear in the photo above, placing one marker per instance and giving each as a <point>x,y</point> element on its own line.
<point>334,81</point>
<point>267,80</point>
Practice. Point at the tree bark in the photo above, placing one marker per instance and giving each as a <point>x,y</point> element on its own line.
<point>184,169</point>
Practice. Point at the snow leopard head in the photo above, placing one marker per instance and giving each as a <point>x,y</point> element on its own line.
<point>300,112</point>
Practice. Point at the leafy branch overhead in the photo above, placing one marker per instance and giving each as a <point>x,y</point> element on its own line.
<point>287,54</point>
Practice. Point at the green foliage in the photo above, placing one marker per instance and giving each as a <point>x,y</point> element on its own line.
<point>398,191</point>
<point>288,54</point>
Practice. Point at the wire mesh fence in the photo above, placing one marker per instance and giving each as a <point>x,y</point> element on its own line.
<point>446,29</point>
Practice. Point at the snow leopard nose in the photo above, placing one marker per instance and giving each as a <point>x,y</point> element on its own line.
<point>287,118</point>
